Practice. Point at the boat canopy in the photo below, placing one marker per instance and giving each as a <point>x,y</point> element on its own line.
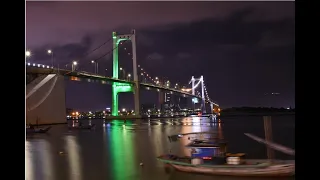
<point>206,144</point>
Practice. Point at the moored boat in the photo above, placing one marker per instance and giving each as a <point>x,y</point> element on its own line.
<point>37,130</point>
<point>253,167</point>
<point>211,157</point>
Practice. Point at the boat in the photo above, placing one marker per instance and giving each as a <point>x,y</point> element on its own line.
<point>211,157</point>
<point>37,130</point>
<point>88,127</point>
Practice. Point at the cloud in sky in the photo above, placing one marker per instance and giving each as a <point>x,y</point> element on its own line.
<point>243,49</point>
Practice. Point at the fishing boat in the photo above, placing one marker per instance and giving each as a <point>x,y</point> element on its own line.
<point>88,127</point>
<point>37,130</point>
<point>211,157</point>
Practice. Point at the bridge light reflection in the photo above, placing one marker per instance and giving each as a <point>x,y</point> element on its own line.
<point>73,150</point>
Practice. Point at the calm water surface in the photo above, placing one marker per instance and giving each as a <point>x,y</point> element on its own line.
<point>114,152</point>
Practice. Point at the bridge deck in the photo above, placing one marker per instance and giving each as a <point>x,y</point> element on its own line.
<point>86,75</point>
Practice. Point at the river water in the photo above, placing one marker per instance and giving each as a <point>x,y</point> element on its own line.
<point>115,151</point>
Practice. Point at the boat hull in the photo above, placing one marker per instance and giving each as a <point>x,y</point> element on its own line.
<point>38,130</point>
<point>271,171</point>
<point>275,169</point>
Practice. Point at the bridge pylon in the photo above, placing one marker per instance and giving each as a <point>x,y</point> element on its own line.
<point>125,87</point>
<point>194,86</point>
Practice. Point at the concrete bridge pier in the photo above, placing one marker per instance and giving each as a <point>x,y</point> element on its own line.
<point>136,99</point>
<point>45,100</point>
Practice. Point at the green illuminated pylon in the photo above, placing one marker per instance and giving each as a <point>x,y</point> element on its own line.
<point>116,89</point>
<point>116,86</point>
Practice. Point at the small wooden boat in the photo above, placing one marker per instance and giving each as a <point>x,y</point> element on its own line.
<point>88,127</point>
<point>38,130</point>
<point>210,157</point>
<point>252,167</point>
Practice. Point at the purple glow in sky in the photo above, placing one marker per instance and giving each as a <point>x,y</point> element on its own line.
<point>243,49</point>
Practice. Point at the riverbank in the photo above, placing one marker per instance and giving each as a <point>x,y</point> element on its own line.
<point>231,114</point>
<point>256,111</point>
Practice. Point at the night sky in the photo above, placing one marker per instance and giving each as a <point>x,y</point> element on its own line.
<point>244,50</point>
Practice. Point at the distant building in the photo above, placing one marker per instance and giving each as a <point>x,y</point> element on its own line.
<point>148,107</point>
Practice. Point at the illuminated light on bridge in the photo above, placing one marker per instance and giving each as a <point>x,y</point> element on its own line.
<point>39,65</point>
<point>186,90</point>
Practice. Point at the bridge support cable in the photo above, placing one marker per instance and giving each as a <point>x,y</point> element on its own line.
<point>45,95</point>
<point>207,94</point>
<point>203,96</point>
<point>93,50</point>
<point>154,80</point>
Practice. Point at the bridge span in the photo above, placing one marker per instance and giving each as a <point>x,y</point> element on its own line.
<point>75,75</point>
<point>40,76</point>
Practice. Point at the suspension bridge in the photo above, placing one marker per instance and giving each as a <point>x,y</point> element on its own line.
<point>40,74</point>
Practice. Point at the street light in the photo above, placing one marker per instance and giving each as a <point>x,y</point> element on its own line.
<point>28,53</point>
<point>129,75</point>
<point>123,72</point>
<point>74,64</point>
<point>51,53</point>
<point>95,66</point>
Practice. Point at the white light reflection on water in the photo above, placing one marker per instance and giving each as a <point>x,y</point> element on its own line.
<point>157,139</point>
<point>194,124</point>
<point>28,161</point>
<point>220,132</point>
<point>73,152</point>
<point>47,161</point>
<point>38,159</point>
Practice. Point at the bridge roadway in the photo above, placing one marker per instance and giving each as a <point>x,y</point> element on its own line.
<point>87,75</point>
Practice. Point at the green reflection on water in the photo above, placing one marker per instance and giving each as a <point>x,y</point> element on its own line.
<point>122,151</point>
